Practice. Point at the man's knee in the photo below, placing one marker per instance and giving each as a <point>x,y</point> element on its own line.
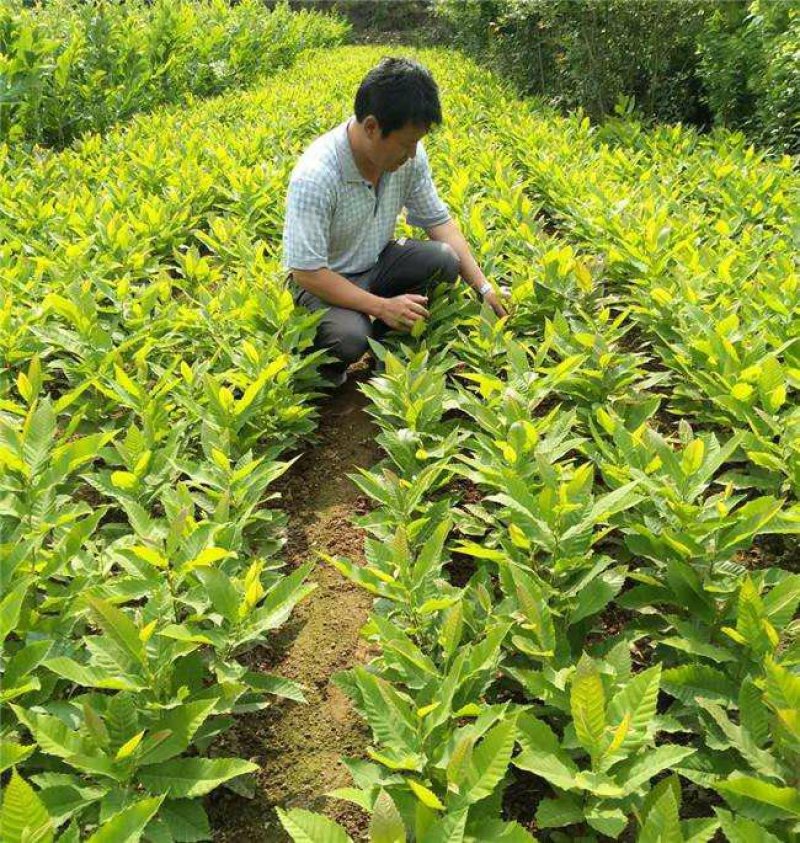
<point>345,335</point>
<point>351,345</point>
<point>445,263</point>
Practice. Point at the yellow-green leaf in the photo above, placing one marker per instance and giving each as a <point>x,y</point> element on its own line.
<point>425,795</point>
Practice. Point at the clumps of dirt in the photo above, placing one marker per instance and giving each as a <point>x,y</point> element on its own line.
<point>771,551</point>
<point>362,505</point>
<point>466,489</point>
<point>612,621</point>
<point>547,405</point>
<point>521,796</point>
<point>548,222</point>
<point>460,569</point>
<point>298,747</point>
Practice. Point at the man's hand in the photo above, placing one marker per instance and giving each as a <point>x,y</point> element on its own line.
<point>401,312</point>
<point>493,300</point>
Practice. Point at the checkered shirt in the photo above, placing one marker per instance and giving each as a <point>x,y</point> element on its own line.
<point>334,216</point>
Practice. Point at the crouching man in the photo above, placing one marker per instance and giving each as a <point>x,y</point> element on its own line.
<point>345,194</point>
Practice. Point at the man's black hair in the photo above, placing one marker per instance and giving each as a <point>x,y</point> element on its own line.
<point>398,91</point>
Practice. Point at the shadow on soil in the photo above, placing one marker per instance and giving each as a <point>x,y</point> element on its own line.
<point>298,747</point>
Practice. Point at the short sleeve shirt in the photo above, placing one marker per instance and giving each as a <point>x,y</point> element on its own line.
<point>335,218</point>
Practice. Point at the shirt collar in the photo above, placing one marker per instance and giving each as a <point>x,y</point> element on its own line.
<point>344,153</point>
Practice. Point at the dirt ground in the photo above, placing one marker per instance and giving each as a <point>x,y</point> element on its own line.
<point>298,747</point>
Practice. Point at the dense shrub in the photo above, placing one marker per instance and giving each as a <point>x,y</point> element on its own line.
<point>750,69</point>
<point>396,15</point>
<point>699,61</point>
<point>69,67</point>
<point>590,53</point>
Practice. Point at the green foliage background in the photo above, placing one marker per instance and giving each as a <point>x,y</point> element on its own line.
<point>68,67</point>
<point>726,62</point>
<point>567,530</point>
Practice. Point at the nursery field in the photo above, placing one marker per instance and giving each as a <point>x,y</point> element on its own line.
<point>578,547</point>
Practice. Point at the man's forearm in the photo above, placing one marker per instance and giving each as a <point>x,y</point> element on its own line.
<point>448,232</point>
<point>338,291</point>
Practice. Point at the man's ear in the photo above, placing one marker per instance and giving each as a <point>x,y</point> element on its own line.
<point>371,127</point>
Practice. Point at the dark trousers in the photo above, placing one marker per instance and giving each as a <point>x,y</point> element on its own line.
<point>404,266</point>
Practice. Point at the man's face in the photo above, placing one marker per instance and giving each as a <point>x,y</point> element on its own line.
<point>391,152</point>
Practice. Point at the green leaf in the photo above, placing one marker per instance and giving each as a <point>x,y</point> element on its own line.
<point>632,774</point>
<point>638,699</point>
<point>53,735</point>
<point>490,760</point>
<point>40,430</point>
<point>660,814</point>
<point>753,713</point>
<point>430,557</point>
<point>607,819</point>
<point>596,595</point>
<point>460,763</point>
<point>92,677</point>
<point>352,794</point>
<point>23,818</point>
<point>186,820</point>
<point>587,703</point>
<point>541,754</point>
<point>119,628</point>
<point>10,608</point>
<point>782,686</point>
<point>12,753</point>
<point>282,598</point>
<point>690,681</point>
<point>696,647</point>
<point>64,795</point>
<point>184,777</point>
<point>98,765</point>
<point>700,829</point>
<point>782,601</point>
<point>556,813</point>
<point>306,827</point>
<point>749,617</point>
<point>496,831</point>
<point>266,683</point>
<point>751,519</point>
<point>396,644</point>
<point>598,784</point>
<point>24,661</point>
<point>611,503</point>
<point>389,717</point>
<point>760,760</point>
<point>127,826</point>
<point>122,718</point>
<point>425,795</point>
<point>785,799</point>
<point>182,723</point>
<point>533,605</point>
<point>742,830</point>
<point>687,588</point>
<point>448,829</point>
<point>71,834</point>
<point>386,825</point>
<point>224,597</point>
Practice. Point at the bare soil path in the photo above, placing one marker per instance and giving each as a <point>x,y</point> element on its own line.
<point>298,747</point>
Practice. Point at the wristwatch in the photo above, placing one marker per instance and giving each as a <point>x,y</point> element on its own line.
<point>485,288</point>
